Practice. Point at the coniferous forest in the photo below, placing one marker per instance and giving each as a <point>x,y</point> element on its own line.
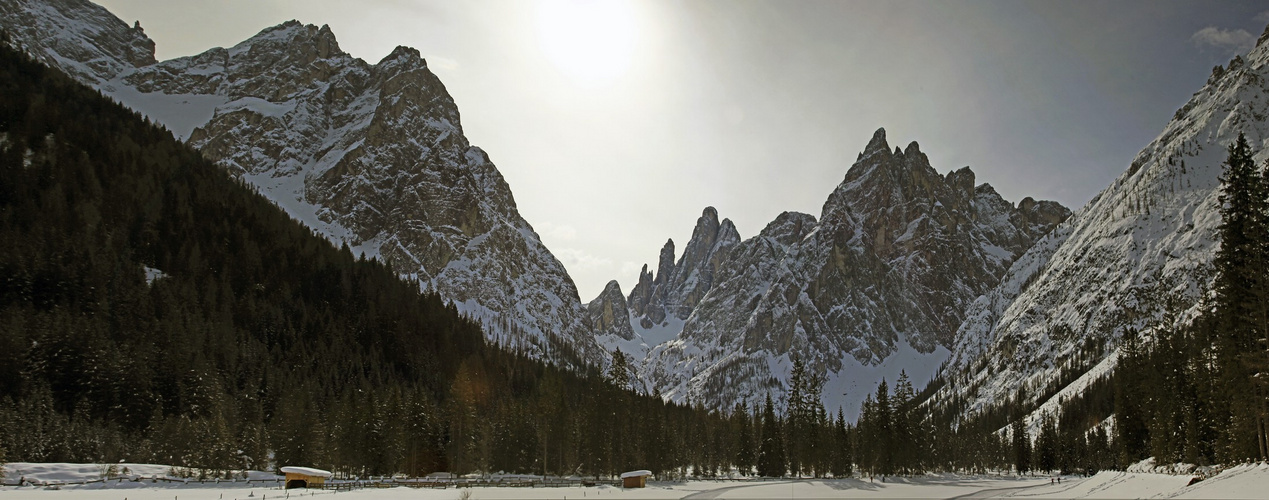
<point>154,309</point>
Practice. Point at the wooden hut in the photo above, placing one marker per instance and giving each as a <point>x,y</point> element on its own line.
<point>635,478</point>
<point>304,477</point>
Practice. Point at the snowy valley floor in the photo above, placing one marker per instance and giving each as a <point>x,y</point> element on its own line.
<point>1251,481</point>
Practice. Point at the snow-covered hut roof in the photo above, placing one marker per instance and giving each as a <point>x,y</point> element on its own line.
<point>636,473</point>
<point>307,471</point>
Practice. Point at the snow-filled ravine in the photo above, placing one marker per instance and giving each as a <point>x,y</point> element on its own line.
<point>1246,481</point>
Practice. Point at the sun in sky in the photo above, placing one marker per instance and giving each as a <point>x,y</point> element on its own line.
<point>590,41</point>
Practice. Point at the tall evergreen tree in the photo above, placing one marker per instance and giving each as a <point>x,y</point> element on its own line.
<point>1046,445</point>
<point>905,426</point>
<point>1131,432</point>
<point>1021,445</point>
<point>1241,309</point>
<point>802,446</point>
<point>619,372</point>
<point>1241,305</point>
<point>771,462</point>
<point>843,452</point>
<point>876,432</point>
<point>744,440</point>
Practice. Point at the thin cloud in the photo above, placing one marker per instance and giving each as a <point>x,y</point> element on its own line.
<point>1262,18</point>
<point>1238,40</point>
<point>630,268</point>
<point>442,63</point>
<point>579,260</point>
<point>563,232</point>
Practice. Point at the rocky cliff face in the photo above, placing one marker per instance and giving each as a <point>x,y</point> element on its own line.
<point>1137,256</point>
<point>368,155</point>
<point>82,39</point>
<point>609,315</point>
<point>896,256</point>
<point>678,286</point>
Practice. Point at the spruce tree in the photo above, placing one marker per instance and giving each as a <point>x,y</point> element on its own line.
<point>843,453</point>
<point>1241,309</point>
<point>744,440</point>
<point>1131,431</point>
<point>1046,445</point>
<point>619,372</point>
<point>905,425</point>
<point>802,446</point>
<point>876,425</point>
<point>1021,445</point>
<point>771,461</point>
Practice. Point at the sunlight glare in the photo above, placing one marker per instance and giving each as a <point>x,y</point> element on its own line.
<point>591,41</point>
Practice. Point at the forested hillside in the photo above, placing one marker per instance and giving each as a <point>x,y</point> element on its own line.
<point>155,310</point>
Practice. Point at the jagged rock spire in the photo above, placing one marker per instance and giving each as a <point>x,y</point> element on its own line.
<point>679,286</point>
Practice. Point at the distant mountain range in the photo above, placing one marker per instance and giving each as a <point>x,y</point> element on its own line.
<point>904,268</point>
<point>897,254</point>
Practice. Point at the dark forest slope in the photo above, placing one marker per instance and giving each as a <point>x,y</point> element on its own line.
<point>154,309</point>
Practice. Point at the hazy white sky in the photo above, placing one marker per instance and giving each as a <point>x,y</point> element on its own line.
<point>616,124</point>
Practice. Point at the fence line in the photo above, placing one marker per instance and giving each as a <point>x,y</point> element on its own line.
<point>417,482</point>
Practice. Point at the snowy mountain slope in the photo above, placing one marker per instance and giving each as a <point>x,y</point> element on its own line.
<point>368,155</point>
<point>1137,256</point>
<point>875,286</point>
<point>82,39</point>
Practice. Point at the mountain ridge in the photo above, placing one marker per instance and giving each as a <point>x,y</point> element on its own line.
<point>897,251</point>
<point>1137,256</point>
<point>368,155</point>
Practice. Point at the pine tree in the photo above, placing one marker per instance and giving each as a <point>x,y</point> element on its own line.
<point>1241,308</point>
<point>619,372</point>
<point>771,462</point>
<point>1131,431</point>
<point>1021,445</point>
<point>905,425</point>
<point>1046,445</point>
<point>1099,453</point>
<point>843,453</point>
<point>882,430</point>
<point>795,419</point>
<point>744,440</point>
<point>802,445</point>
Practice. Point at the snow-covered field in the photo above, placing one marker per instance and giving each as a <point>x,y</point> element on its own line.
<point>1248,481</point>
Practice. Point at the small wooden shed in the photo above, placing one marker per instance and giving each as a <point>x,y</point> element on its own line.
<point>304,477</point>
<point>635,478</point>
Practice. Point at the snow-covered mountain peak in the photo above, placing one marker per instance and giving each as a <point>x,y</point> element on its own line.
<point>407,55</point>
<point>82,38</point>
<point>677,286</point>
<point>372,156</point>
<point>884,274</point>
<point>289,38</point>
<point>788,228</point>
<point>875,145</point>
